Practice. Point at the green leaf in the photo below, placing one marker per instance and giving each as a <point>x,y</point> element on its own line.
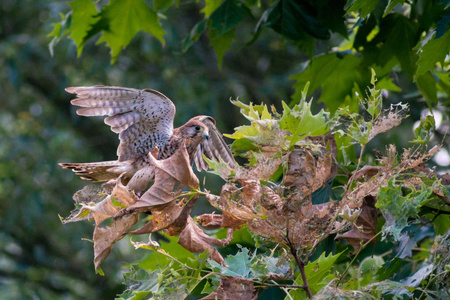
<point>300,122</point>
<point>60,30</point>
<point>154,259</point>
<point>243,145</point>
<point>264,265</point>
<point>249,265</point>
<point>294,20</point>
<point>210,7</point>
<point>389,269</point>
<point>398,208</point>
<point>425,130</point>
<point>227,16</point>
<point>441,223</point>
<point>194,35</point>
<point>427,86</point>
<point>392,4</point>
<point>84,16</point>
<point>368,268</point>
<point>365,7</point>
<point>117,203</point>
<point>263,131</point>
<point>387,83</point>
<point>220,168</point>
<point>125,18</point>
<point>234,265</point>
<point>399,35</point>
<point>336,77</point>
<point>318,274</point>
<point>163,4</point>
<point>221,43</point>
<point>435,50</point>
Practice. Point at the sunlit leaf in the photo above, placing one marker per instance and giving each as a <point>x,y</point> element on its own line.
<point>318,273</point>
<point>365,7</point>
<point>125,19</point>
<point>434,51</point>
<point>300,122</point>
<point>210,7</point>
<point>83,17</point>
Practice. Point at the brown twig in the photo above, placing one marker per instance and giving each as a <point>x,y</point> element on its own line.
<point>301,267</point>
<point>300,264</point>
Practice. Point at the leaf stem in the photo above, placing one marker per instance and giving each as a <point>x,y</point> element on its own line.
<point>363,147</point>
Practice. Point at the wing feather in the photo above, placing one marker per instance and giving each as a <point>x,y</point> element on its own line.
<point>142,118</point>
<point>213,148</point>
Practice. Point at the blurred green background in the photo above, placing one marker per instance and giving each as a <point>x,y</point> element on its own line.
<point>39,257</point>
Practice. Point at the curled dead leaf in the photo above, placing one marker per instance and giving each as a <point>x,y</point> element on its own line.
<point>389,119</point>
<point>307,172</point>
<point>195,240</point>
<point>105,237</point>
<point>173,214</point>
<point>210,220</point>
<point>364,228</point>
<point>367,172</point>
<point>168,174</point>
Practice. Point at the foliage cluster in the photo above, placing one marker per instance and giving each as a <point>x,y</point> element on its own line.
<point>382,35</point>
<point>290,157</point>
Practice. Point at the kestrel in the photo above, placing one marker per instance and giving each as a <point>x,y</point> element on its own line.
<point>144,120</point>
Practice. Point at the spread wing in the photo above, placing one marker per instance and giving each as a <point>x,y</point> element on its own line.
<point>142,118</point>
<point>214,147</point>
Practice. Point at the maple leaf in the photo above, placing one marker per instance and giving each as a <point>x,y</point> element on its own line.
<point>264,130</point>
<point>300,122</point>
<point>84,16</point>
<point>124,19</point>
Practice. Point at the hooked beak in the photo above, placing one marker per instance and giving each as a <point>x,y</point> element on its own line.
<point>206,136</point>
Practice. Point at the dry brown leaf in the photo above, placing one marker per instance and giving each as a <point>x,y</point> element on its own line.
<point>212,221</point>
<point>389,119</point>
<point>237,206</point>
<point>367,172</point>
<point>364,228</point>
<point>164,216</point>
<point>445,178</point>
<point>269,213</point>
<point>168,174</point>
<point>195,240</point>
<point>120,197</point>
<point>234,288</point>
<point>106,237</point>
<point>263,170</point>
<point>306,173</point>
<point>389,167</point>
<point>302,227</point>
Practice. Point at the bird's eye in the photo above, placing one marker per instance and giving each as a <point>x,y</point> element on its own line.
<point>197,127</point>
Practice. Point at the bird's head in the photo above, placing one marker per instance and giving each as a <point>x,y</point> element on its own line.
<point>195,130</point>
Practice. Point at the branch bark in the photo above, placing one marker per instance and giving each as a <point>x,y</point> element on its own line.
<point>301,267</point>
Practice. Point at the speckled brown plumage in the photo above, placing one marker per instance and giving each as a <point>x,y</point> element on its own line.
<point>144,120</point>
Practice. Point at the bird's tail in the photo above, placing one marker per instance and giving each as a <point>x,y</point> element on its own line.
<point>97,171</point>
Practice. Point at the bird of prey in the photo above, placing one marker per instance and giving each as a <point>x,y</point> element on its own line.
<point>144,120</point>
